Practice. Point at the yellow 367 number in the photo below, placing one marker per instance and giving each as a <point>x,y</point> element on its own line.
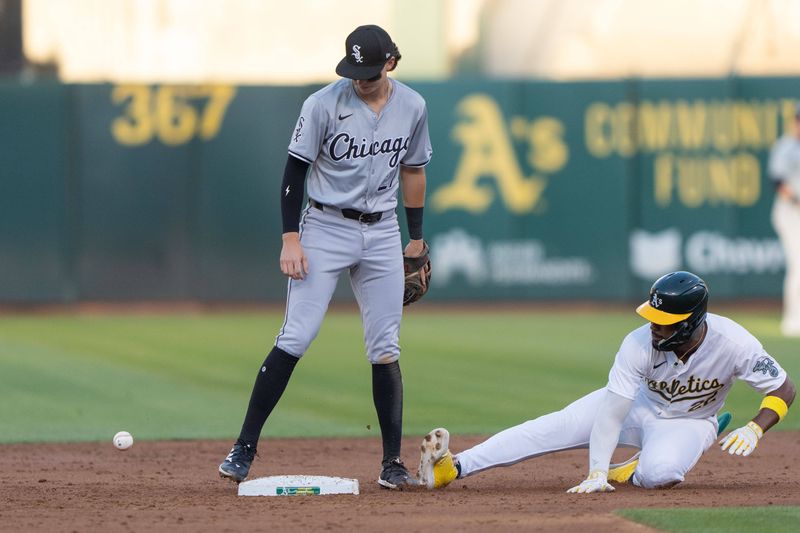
<point>173,113</point>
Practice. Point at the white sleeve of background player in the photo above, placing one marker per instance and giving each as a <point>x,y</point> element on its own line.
<point>779,166</point>
<point>606,428</point>
<point>419,145</point>
<point>628,370</point>
<point>758,369</point>
<point>309,131</point>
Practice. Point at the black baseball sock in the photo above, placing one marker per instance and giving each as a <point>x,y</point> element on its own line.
<point>269,386</point>
<point>387,393</point>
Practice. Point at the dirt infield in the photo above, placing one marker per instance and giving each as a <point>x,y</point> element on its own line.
<point>173,485</point>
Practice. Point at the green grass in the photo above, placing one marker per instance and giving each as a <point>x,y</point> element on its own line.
<point>772,519</point>
<point>79,377</point>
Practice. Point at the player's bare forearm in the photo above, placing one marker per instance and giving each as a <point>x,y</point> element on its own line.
<point>412,182</point>
<point>414,248</point>
<point>766,418</point>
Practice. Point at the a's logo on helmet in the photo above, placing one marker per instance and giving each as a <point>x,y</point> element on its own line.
<point>655,301</point>
<point>357,53</point>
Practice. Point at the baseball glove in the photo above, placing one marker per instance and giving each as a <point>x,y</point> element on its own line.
<point>415,288</point>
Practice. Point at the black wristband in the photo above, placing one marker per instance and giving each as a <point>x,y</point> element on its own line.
<point>414,219</point>
<point>292,191</point>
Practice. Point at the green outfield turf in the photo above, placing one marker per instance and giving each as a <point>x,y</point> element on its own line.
<point>772,519</point>
<point>71,378</point>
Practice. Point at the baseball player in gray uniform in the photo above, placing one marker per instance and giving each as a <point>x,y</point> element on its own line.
<point>669,379</point>
<point>784,169</point>
<point>356,142</point>
<point>363,138</point>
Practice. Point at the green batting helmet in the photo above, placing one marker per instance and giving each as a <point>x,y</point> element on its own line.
<point>677,298</point>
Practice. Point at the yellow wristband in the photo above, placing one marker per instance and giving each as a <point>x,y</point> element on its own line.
<point>775,404</point>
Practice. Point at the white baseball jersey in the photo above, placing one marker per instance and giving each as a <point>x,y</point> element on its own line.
<point>696,389</point>
<point>672,418</point>
<point>355,154</point>
<point>784,162</point>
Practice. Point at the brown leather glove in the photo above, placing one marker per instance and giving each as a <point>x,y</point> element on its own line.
<point>416,287</point>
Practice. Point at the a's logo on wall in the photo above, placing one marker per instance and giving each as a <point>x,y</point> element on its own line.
<point>489,155</point>
<point>357,54</point>
<point>655,254</point>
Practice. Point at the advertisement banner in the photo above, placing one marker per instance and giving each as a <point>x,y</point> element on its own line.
<point>517,209</point>
<point>536,190</point>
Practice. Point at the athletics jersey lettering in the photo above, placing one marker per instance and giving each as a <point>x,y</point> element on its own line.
<point>676,391</point>
<point>343,146</point>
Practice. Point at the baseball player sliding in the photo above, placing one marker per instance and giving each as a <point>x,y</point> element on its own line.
<point>360,140</point>
<point>668,381</point>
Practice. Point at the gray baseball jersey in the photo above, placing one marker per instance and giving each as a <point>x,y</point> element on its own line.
<point>355,155</point>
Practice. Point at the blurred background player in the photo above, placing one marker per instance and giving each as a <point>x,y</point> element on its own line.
<point>669,379</point>
<point>363,137</point>
<point>784,169</point>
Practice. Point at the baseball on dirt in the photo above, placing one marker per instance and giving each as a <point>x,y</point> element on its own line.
<point>123,440</point>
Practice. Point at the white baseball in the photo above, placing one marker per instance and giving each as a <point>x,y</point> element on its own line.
<point>123,440</point>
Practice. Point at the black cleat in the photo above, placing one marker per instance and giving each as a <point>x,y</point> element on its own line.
<point>236,465</point>
<point>395,476</point>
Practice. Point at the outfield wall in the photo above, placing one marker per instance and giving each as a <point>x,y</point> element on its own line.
<point>536,189</point>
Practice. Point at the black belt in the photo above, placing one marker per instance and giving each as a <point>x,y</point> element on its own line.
<point>366,218</point>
